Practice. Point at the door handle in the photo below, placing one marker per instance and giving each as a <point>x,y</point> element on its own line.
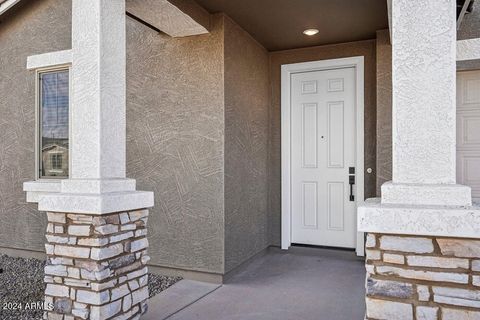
<point>351,181</point>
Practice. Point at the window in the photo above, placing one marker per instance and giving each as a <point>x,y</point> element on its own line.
<point>56,159</point>
<point>53,123</point>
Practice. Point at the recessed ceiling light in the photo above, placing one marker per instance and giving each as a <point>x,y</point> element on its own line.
<point>310,32</point>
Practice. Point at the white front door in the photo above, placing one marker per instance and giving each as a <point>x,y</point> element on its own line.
<point>468,131</point>
<point>323,157</point>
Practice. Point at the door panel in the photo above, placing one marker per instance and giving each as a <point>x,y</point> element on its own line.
<point>309,201</point>
<point>309,135</point>
<point>336,199</point>
<point>468,131</point>
<point>335,137</point>
<point>322,150</point>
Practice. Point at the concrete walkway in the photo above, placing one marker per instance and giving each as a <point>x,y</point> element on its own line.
<point>301,284</point>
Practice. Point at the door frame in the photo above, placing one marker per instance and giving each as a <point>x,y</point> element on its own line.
<point>287,70</point>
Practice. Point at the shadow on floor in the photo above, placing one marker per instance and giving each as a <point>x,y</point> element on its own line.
<point>298,284</point>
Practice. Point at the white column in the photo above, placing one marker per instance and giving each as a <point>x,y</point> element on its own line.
<point>424,105</point>
<point>98,221</point>
<point>97,182</point>
<point>422,211</point>
<point>98,89</point>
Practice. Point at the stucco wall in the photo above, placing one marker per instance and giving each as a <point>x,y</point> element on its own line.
<point>187,107</point>
<point>175,130</point>
<point>384,108</point>
<point>36,27</point>
<point>194,120</point>
<point>175,138</point>
<point>246,140</point>
<point>360,48</point>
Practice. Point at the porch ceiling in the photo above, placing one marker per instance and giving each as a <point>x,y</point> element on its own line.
<point>278,24</point>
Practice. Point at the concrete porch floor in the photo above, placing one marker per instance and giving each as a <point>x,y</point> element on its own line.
<point>301,284</point>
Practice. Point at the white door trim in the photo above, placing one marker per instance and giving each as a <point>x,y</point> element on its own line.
<point>287,70</point>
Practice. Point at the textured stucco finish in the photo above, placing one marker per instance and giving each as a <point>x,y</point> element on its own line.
<point>468,49</point>
<point>360,48</point>
<point>175,138</point>
<point>97,115</point>
<point>49,59</point>
<point>470,29</point>
<point>246,140</point>
<point>98,90</point>
<point>174,134</point>
<point>426,194</point>
<point>384,108</point>
<point>200,142</point>
<point>27,29</point>
<point>447,221</point>
<point>180,106</point>
<point>201,133</point>
<point>423,95</point>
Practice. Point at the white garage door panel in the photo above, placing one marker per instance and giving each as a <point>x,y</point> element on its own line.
<point>468,131</point>
<point>470,85</point>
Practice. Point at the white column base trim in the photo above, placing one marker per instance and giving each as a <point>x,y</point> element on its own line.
<point>426,194</point>
<point>446,221</point>
<point>36,189</point>
<point>97,185</point>
<point>96,203</point>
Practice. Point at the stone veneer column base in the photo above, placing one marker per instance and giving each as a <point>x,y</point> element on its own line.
<point>96,266</point>
<point>422,278</point>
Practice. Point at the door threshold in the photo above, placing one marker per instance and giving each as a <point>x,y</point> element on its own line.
<point>302,245</point>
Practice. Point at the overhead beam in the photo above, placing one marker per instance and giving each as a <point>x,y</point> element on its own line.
<point>177,18</point>
<point>389,13</point>
<point>462,13</point>
<point>7,5</point>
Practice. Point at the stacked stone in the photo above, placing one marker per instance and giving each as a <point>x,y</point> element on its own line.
<point>422,278</point>
<point>96,266</point>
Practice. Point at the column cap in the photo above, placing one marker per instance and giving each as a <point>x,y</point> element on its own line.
<point>96,203</point>
<point>445,221</point>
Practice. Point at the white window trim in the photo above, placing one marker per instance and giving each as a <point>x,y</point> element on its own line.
<point>287,70</point>
<point>57,60</point>
<point>49,60</point>
<point>38,124</point>
<point>43,186</point>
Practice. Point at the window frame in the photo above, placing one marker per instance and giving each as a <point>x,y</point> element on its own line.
<point>38,124</point>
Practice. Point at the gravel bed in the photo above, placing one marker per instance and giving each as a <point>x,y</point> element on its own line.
<point>22,287</point>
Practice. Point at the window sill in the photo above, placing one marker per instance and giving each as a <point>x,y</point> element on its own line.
<point>38,188</point>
